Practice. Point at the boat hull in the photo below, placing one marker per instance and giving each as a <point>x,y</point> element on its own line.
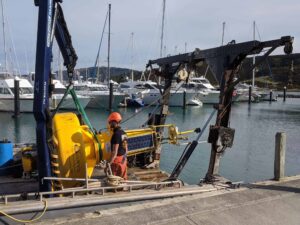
<point>176,99</point>
<point>8,105</point>
<point>68,103</point>
<point>209,97</point>
<point>102,101</point>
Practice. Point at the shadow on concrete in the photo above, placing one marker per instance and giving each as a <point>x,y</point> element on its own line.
<point>275,188</point>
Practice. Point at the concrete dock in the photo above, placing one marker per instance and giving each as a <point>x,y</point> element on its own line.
<point>269,202</point>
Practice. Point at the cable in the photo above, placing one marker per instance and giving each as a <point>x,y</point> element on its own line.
<point>7,167</point>
<point>27,221</point>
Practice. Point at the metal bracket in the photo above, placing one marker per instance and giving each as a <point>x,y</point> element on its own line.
<point>222,135</point>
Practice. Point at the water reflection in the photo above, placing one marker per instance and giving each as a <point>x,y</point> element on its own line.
<point>250,159</point>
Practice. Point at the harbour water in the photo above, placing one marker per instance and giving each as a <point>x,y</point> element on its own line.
<point>250,159</point>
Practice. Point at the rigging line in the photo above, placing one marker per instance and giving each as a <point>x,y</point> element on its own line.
<point>100,44</point>
<point>125,54</point>
<point>13,46</point>
<point>267,61</point>
<point>257,31</point>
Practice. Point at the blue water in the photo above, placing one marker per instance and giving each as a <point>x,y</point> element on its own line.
<point>250,159</point>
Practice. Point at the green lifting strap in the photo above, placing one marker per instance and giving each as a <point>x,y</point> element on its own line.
<point>80,109</point>
<point>86,119</point>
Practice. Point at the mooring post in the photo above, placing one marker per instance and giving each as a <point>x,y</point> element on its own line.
<point>279,161</point>
<point>111,94</point>
<point>184,99</point>
<point>17,98</point>
<point>284,93</point>
<point>250,94</point>
<point>271,96</point>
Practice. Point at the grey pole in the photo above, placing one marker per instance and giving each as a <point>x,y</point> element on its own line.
<point>111,94</point>
<point>271,96</point>
<point>250,94</point>
<point>16,99</point>
<point>279,161</point>
<point>184,100</point>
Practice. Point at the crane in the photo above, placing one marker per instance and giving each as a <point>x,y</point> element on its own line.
<point>65,145</point>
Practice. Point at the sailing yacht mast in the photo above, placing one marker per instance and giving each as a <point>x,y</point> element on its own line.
<point>223,33</point>
<point>108,49</point>
<point>253,71</point>
<point>132,77</point>
<point>162,28</point>
<point>162,33</point>
<point>4,39</point>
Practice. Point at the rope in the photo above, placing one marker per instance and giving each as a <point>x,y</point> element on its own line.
<point>63,98</point>
<point>27,221</point>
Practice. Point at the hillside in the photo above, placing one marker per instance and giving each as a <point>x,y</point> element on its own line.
<point>276,72</point>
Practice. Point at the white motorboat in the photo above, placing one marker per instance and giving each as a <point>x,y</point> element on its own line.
<point>177,95</point>
<point>207,93</point>
<point>99,94</point>
<point>149,91</point>
<point>242,90</point>
<point>7,95</point>
<point>27,96</point>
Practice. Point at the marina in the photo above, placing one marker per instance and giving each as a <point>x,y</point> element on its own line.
<point>203,136</point>
<point>255,158</point>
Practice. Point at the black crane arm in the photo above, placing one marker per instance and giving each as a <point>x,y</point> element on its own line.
<point>223,57</point>
<point>64,41</point>
<point>224,62</point>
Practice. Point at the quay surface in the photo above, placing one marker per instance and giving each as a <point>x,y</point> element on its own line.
<point>269,202</point>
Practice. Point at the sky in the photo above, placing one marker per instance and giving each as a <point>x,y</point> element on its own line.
<point>194,22</point>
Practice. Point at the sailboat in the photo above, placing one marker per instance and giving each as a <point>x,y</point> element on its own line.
<point>7,80</point>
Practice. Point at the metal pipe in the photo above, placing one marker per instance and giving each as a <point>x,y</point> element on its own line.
<point>69,179</point>
<point>104,201</point>
<point>82,189</point>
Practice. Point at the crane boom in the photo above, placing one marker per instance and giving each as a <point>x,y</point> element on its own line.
<point>50,21</point>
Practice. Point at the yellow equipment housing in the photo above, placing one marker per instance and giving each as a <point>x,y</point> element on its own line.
<point>76,152</point>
